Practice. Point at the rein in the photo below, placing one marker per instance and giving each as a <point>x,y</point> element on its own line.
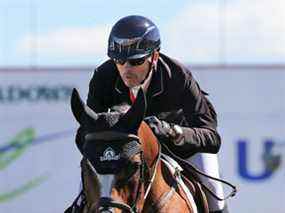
<point>150,182</point>
<point>193,168</point>
<point>154,172</point>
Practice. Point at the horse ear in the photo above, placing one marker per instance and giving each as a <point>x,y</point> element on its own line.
<point>79,109</point>
<point>132,119</point>
<point>77,105</point>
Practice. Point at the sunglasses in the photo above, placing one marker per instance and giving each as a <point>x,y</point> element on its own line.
<point>132,62</point>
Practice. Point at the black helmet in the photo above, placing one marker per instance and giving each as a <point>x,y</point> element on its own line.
<point>133,37</point>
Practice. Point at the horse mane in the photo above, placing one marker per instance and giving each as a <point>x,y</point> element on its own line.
<point>150,144</point>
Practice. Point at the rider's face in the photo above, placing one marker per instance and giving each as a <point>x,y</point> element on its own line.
<point>133,74</point>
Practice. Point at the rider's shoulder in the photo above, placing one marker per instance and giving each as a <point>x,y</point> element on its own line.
<point>107,68</point>
<point>177,68</point>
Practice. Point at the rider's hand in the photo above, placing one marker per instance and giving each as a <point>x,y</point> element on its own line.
<point>164,130</point>
<point>161,129</point>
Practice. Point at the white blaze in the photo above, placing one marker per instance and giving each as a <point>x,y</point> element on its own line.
<point>106,182</point>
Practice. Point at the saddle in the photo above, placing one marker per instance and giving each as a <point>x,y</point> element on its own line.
<point>187,181</point>
<point>199,195</point>
<point>190,175</point>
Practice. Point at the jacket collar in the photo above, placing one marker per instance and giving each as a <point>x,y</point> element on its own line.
<point>156,86</point>
<point>120,86</point>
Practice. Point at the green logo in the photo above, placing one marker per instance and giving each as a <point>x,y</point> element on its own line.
<point>10,153</point>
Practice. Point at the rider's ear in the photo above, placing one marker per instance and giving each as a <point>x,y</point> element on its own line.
<point>134,116</point>
<point>77,105</point>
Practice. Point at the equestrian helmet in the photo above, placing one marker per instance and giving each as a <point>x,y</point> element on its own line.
<point>133,37</point>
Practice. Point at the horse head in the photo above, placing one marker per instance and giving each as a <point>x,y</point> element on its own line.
<point>120,156</point>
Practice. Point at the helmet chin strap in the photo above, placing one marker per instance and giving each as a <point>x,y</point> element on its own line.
<point>152,63</point>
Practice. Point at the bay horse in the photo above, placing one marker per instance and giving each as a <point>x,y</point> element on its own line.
<point>122,170</point>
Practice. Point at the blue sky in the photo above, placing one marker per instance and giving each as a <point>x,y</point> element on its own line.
<point>75,32</point>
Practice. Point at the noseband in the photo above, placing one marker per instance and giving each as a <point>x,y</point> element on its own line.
<point>106,203</point>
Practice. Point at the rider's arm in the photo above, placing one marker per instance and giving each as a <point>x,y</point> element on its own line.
<point>201,135</point>
<point>95,98</point>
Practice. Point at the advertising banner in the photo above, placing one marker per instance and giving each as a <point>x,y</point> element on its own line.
<point>251,112</point>
<point>39,161</point>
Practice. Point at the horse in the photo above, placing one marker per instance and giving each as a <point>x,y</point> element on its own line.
<point>122,168</point>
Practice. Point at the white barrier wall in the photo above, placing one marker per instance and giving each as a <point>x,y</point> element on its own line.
<point>39,162</point>
<point>251,112</point>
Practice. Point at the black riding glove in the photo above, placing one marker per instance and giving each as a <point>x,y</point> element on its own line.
<point>160,128</point>
<point>164,130</point>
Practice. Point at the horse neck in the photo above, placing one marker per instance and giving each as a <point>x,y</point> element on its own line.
<point>149,143</point>
<point>151,150</point>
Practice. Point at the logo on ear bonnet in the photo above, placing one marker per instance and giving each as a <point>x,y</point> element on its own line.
<point>109,154</point>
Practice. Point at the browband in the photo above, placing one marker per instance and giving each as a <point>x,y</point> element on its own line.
<point>110,135</point>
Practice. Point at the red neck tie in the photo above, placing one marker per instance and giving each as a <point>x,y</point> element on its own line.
<point>132,96</point>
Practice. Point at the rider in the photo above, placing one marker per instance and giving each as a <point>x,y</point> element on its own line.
<point>178,111</point>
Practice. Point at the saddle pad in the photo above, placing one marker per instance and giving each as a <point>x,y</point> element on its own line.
<point>173,166</point>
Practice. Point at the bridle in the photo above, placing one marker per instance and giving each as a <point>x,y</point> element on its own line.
<point>106,203</point>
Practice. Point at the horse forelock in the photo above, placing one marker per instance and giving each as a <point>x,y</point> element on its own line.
<point>105,121</point>
<point>108,120</point>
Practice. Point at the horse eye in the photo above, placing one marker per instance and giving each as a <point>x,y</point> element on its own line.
<point>127,173</point>
<point>131,169</point>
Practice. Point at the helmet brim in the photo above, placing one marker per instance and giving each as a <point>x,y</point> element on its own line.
<point>127,57</point>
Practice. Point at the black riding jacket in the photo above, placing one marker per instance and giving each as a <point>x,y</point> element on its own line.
<point>173,95</point>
